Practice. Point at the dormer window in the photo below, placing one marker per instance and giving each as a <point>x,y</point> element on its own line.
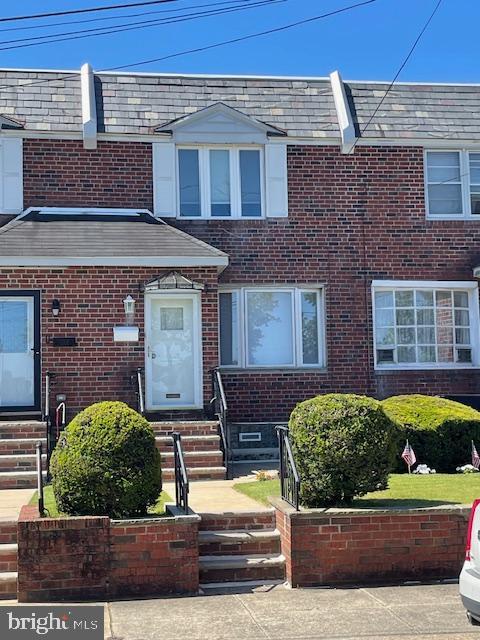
<point>220,182</point>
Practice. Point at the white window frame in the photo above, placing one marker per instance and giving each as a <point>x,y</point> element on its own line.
<point>466,214</point>
<point>470,287</point>
<point>296,293</point>
<point>235,180</point>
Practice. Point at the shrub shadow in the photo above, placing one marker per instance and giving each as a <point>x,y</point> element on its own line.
<point>399,503</point>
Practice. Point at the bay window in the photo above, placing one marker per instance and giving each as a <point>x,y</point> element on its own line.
<point>425,325</point>
<point>453,184</point>
<point>271,327</point>
<point>220,182</point>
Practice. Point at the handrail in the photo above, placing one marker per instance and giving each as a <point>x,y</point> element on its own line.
<point>289,477</point>
<point>219,402</point>
<point>46,406</point>
<point>137,376</point>
<point>41,501</point>
<point>181,476</point>
<point>50,437</point>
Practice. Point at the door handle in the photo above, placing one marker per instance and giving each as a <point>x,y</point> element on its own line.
<point>35,352</point>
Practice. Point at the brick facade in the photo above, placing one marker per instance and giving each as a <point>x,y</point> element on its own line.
<point>95,558</point>
<point>351,219</point>
<point>332,547</point>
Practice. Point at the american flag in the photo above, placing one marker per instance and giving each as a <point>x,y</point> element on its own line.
<point>409,455</point>
<point>475,457</point>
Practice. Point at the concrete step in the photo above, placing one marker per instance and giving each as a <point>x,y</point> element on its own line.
<point>186,428</point>
<point>18,446</point>
<point>8,585</point>
<point>247,521</point>
<point>19,479</point>
<point>190,443</point>
<point>241,567</point>
<point>241,586</point>
<point>20,462</point>
<point>194,459</point>
<point>22,429</point>
<point>222,543</point>
<point>8,557</point>
<point>196,473</point>
<point>8,531</point>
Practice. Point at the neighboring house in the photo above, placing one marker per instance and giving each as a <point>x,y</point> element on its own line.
<point>249,232</point>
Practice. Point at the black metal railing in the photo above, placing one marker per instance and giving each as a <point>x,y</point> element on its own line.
<point>49,426</point>
<point>137,381</point>
<point>220,410</point>
<point>41,501</point>
<point>181,475</point>
<point>289,476</point>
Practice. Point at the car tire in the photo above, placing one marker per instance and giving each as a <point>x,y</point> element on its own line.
<point>473,621</point>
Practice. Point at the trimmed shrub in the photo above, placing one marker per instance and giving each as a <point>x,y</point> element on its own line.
<point>343,446</point>
<point>106,463</point>
<point>439,430</point>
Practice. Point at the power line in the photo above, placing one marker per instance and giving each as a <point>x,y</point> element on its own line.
<point>128,26</point>
<point>87,10</point>
<point>399,71</point>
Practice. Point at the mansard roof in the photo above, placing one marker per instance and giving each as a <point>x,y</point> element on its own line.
<point>139,104</point>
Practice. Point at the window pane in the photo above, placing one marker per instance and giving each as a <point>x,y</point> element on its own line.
<point>14,327</point>
<point>426,354</point>
<point>443,159</point>
<point>406,336</point>
<point>250,183</point>
<point>404,298</point>
<point>424,298</point>
<point>405,317</point>
<point>383,299</point>
<point>310,328</point>
<point>406,354</point>
<point>462,318</point>
<point>220,183</point>
<point>426,335</point>
<point>445,199</point>
<point>425,316</point>
<point>189,179</point>
<point>462,336</point>
<point>384,318</point>
<point>460,299</point>
<point>385,337</point>
<point>229,328</point>
<point>269,328</point>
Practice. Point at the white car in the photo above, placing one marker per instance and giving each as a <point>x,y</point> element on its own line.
<point>470,575</point>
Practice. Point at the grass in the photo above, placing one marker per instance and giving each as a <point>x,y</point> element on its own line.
<point>403,491</point>
<point>53,512</point>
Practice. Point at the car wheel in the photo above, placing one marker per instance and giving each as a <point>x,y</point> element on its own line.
<point>473,621</point>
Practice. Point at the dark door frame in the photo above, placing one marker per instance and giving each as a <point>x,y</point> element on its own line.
<point>35,294</point>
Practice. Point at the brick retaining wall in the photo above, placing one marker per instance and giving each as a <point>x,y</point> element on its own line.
<point>353,546</point>
<point>95,558</point>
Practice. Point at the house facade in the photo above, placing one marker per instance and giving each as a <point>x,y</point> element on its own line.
<point>255,226</point>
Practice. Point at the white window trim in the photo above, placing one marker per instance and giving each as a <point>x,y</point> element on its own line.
<point>235,186</point>
<point>472,290</point>
<point>296,324</point>
<point>465,183</point>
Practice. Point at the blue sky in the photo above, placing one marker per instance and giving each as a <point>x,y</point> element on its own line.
<point>365,43</point>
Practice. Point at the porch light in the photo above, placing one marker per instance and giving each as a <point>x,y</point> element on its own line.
<point>129,307</point>
<point>55,307</point>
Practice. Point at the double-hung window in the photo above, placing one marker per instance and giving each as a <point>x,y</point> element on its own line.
<point>271,327</point>
<point>453,184</point>
<point>220,182</point>
<point>422,325</point>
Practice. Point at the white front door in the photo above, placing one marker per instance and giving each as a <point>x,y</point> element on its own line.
<point>173,350</point>
<point>18,352</point>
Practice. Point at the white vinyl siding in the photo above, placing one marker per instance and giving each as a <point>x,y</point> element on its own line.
<point>271,327</point>
<point>422,325</point>
<point>164,190</point>
<point>452,184</point>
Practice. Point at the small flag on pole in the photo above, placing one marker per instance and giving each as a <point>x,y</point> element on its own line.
<point>475,457</point>
<point>409,456</point>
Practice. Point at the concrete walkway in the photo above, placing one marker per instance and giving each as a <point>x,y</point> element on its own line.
<point>12,500</point>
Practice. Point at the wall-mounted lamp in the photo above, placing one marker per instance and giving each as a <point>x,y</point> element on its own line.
<point>55,307</point>
<point>129,307</point>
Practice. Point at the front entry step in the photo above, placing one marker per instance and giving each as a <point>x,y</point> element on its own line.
<point>235,568</point>
<point>19,479</point>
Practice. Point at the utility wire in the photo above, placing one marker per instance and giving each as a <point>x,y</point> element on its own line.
<point>129,15</point>
<point>128,26</point>
<point>399,71</point>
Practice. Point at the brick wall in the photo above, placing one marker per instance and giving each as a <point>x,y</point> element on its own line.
<point>351,219</point>
<point>91,301</point>
<point>94,558</point>
<point>331,546</point>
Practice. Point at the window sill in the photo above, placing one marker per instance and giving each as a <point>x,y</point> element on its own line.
<point>455,367</point>
<point>275,370</point>
<point>458,218</point>
<point>220,218</point>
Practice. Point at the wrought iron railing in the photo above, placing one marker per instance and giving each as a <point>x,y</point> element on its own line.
<point>49,426</point>
<point>181,475</point>
<point>220,410</point>
<point>137,380</point>
<point>41,501</point>
<point>289,476</point>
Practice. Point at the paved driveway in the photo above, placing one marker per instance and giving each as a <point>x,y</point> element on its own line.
<point>406,612</point>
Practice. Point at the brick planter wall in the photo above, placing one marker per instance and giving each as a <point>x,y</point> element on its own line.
<point>94,558</point>
<point>353,546</point>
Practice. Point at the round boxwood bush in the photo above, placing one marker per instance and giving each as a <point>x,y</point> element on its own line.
<point>440,431</point>
<point>343,445</point>
<point>106,463</point>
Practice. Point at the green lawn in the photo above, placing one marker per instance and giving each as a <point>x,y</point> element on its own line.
<point>403,490</point>
<point>52,511</point>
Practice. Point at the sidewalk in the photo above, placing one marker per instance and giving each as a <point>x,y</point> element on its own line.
<point>12,500</point>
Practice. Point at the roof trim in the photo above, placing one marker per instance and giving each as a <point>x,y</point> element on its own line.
<point>89,107</point>
<point>9,123</point>
<point>344,114</point>
<point>112,261</point>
